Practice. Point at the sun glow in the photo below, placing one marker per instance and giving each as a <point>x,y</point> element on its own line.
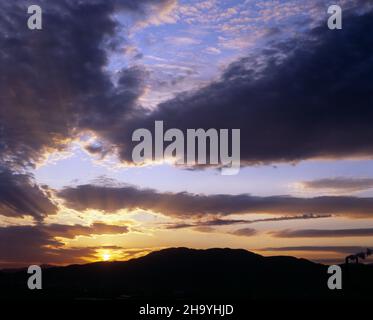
<point>106,257</point>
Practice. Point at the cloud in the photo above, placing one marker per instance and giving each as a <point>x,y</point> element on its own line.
<point>299,99</point>
<point>24,245</point>
<point>245,232</point>
<point>16,241</point>
<point>71,231</point>
<point>293,101</point>
<point>60,85</point>
<point>335,249</point>
<point>184,205</point>
<point>213,50</point>
<point>227,222</point>
<point>182,41</point>
<point>339,184</point>
<point>159,12</point>
<point>54,85</point>
<point>320,233</point>
<point>21,196</point>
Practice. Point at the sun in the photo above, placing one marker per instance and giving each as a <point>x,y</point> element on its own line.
<point>106,257</point>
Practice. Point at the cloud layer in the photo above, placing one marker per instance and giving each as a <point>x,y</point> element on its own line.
<point>300,98</point>
<point>228,222</point>
<point>184,205</point>
<point>335,249</point>
<point>339,184</point>
<point>323,233</point>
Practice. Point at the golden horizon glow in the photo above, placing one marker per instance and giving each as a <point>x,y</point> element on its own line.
<point>106,256</point>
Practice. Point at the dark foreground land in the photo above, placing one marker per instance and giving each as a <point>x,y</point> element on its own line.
<point>193,274</point>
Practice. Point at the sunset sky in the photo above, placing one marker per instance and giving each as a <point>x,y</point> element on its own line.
<point>72,93</point>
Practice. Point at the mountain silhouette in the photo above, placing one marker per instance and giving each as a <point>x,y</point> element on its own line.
<point>181,273</point>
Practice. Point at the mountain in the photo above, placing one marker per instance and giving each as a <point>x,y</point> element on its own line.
<point>181,273</point>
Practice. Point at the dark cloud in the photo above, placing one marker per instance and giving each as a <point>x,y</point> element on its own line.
<point>53,82</point>
<point>184,205</point>
<point>46,73</point>
<point>53,85</point>
<point>24,242</point>
<point>319,233</point>
<point>21,196</point>
<point>24,245</point>
<point>71,231</point>
<point>309,97</point>
<point>335,249</point>
<point>303,98</point>
<point>244,232</point>
<point>227,222</point>
<point>204,229</point>
<point>340,184</point>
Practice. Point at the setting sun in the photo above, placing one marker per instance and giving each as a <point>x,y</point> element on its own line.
<point>106,257</point>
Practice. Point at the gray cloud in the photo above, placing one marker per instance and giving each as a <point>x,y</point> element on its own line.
<point>339,184</point>
<point>295,101</point>
<point>225,222</point>
<point>53,82</point>
<point>184,205</point>
<point>21,196</point>
<point>320,233</point>
<point>244,232</point>
<point>335,249</point>
<point>71,231</point>
<point>305,98</point>
<point>53,85</point>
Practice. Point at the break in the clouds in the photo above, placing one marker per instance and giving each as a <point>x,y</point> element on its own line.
<point>184,205</point>
<point>323,233</point>
<point>339,184</point>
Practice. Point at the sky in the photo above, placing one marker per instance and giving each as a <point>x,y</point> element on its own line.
<point>72,94</point>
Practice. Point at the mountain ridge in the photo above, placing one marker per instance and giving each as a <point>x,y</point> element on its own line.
<point>183,273</point>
